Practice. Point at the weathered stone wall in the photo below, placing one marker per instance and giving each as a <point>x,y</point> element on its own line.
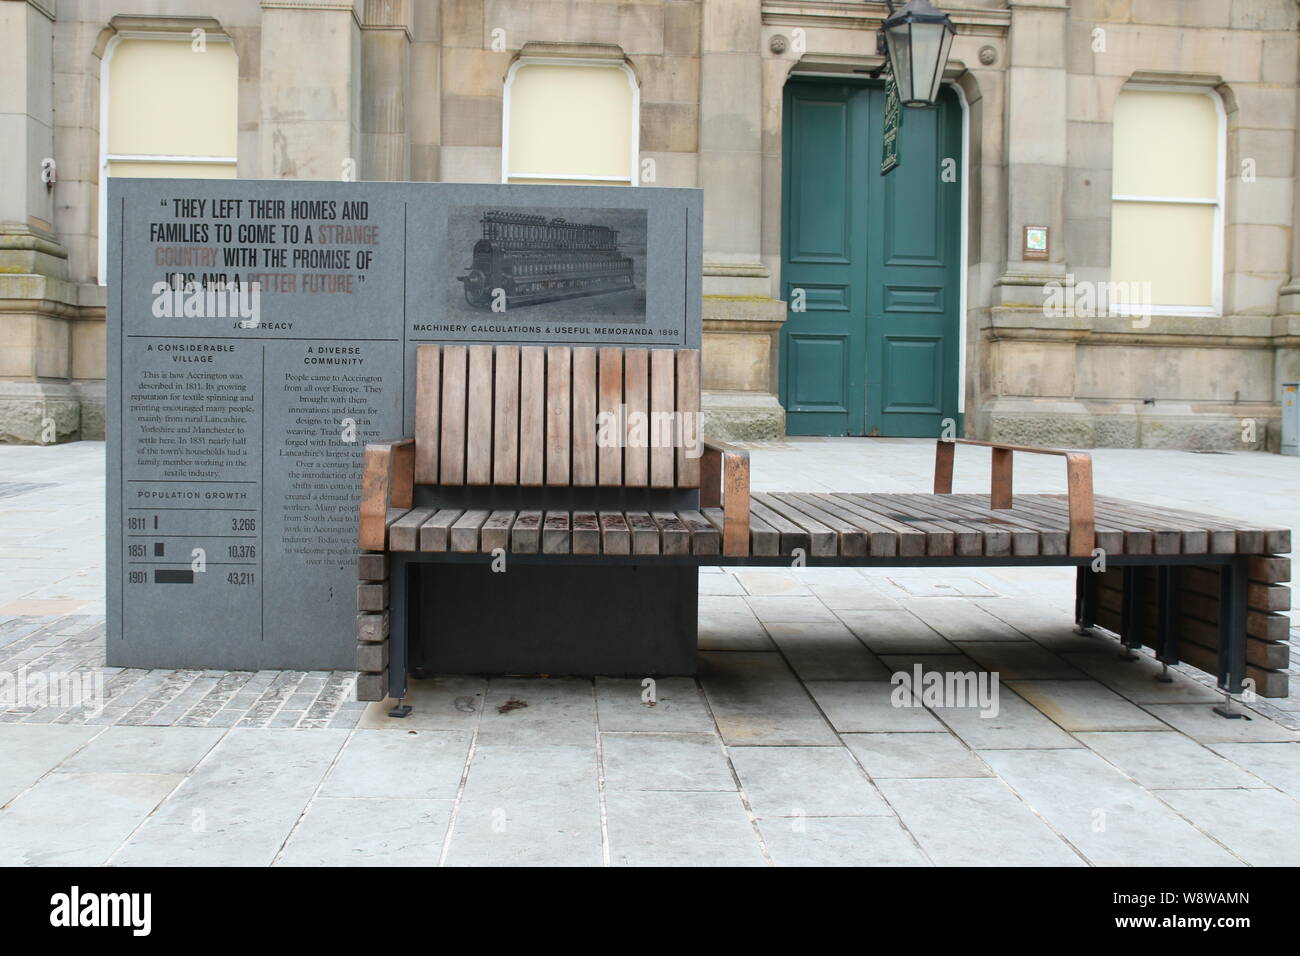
<point>395,89</point>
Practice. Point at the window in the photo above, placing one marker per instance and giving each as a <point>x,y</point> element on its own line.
<point>570,121</point>
<point>1167,200</point>
<point>168,111</point>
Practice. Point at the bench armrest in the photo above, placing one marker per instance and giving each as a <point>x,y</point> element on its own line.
<point>724,482</point>
<point>1078,476</point>
<point>387,481</point>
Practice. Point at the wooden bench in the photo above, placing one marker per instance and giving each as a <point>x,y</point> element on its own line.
<point>573,455</point>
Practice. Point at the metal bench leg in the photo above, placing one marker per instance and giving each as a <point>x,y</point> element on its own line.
<point>1085,601</point>
<point>1232,634</point>
<point>400,620</point>
<point>1167,624</point>
<point>1131,614</point>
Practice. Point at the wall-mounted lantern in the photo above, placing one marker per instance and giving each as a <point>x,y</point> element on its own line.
<point>917,38</point>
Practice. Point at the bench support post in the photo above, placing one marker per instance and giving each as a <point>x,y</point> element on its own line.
<point>1232,632</point>
<point>400,621</point>
<point>1166,617</point>
<point>1131,614</point>
<point>1085,601</point>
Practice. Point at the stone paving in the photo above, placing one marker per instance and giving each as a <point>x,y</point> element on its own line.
<point>785,750</point>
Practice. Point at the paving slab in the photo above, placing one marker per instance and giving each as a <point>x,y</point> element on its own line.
<point>870,707</point>
<point>351,831</point>
<point>438,703</point>
<point>1136,679</point>
<point>895,632</point>
<point>826,651</point>
<point>805,782</point>
<point>757,700</point>
<point>771,583</point>
<point>144,750</point>
<point>915,755</point>
<point>419,764</point>
<point>975,822</point>
<point>543,711</point>
<point>78,819</point>
<point>1107,817</point>
<point>678,705</point>
<point>839,841</point>
<point>1277,764</point>
<point>1084,705</point>
<point>1262,827</point>
<point>529,805</point>
<point>1201,723</point>
<point>28,752</point>
<point>239,806</point>
<point>643,761</point>
<point>1167,760</point>
<point>960,620</point>
<point>780,610</point>
<point>1016,726</point>
<point>858,596</point>
<point>646,829</point>
<point>1016,661</point>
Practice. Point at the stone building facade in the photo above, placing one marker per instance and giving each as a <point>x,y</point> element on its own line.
<point>1118,179</point>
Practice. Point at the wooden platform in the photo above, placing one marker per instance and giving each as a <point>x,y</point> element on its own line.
<point>840,525</point>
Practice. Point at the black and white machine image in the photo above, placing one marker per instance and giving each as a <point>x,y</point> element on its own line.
<point>533,258</point>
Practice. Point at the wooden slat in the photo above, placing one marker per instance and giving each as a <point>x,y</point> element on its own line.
<point>688,411</point>
<point>663,400</point>
<point>532,415</point>
<point>505,425</point>
<point>1137,539</point>
<point>968,540</point>
<point>495,532</point>
<point>704,537</point>
<point>851,539</point>
<point>372,566</point>
<point>823,541</point>
<point>1048,539</point>
<point>584,417</point>
<point>916,537</point>
<point>372,597</point>
<point>525,536</point>
<point>790,536</point>
<point>674,536</point>
<point>559,411</point>
<point>645,533</point>
<point>1269,570</point>
<point>478,415</point>
<point>436,532</point>
<point>636,400</point>
<point>615,538</point>
<point>464,533</point>
<point>455,370</point>
<point>428,402</point>
<point>404,533</point>
<point>609,456</point>
<point>555,533</point>
<point>1108,539</point>
<point>764,540</point>
<point>586,533</point>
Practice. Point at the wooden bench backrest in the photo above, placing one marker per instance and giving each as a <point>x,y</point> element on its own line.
<point>531,416</point>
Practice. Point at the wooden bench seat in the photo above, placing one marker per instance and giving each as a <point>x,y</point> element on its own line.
<point>480,531</point>
<point>588,455</point>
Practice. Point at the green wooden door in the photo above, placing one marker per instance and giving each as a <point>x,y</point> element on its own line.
<point>870,266</point>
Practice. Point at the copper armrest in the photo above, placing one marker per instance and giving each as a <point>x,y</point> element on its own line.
<point>724,482</point>
<point>387,481</point>
<point>1078,476</point>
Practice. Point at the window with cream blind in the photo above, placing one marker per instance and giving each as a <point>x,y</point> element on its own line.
<point>169,110</point>
<point>570,122</point>
<point>1167,199</point>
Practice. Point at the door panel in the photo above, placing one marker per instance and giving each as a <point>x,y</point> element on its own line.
<point>875,262</point>
<point>823,348</point>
